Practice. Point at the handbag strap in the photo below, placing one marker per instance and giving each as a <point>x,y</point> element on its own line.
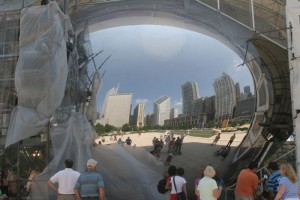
<point>174,184</point>
<point>178,196</point>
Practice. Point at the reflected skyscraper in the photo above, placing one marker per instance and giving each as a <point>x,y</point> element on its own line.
<point>161,110</point>
<point>116,108</point>
<point>189,95</point>
<point>138,115</point>
<point>225,99</point>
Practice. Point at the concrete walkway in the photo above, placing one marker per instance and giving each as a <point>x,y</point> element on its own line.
<point>196,152</point>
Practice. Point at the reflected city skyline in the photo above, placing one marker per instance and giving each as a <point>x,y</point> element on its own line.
<point>154,61</point>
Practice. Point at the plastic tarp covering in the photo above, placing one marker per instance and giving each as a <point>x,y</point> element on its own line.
<point>41,71</point>
<point>6,5</point>
<point>91,111</point>
<point>71,139</point>
<point>84,46</point>
<point>128,172</point>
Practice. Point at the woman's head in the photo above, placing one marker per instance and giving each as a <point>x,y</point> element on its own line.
<point>286,169</point>
<point>172,170</point>
<point>209,171</point>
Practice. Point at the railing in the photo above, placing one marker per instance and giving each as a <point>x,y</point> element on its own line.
<point>231,188</point>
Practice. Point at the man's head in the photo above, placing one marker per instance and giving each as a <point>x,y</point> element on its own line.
<point>253,166</point>
<point>91,164</point>
<point>272,166</point>
<point>68,163</point>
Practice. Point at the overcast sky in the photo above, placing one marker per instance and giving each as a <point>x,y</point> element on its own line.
<point>152,61</point>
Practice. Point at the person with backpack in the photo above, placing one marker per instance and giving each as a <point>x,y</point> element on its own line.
<point>177,185</point>
<point>163,185</point>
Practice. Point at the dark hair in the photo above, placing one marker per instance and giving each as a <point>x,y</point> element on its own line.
<point>44,2</point>
<point>172,170</point>
<point>69,163</point>
<point>273,166</point>
<point>253,165</point>
<point>180,171</point>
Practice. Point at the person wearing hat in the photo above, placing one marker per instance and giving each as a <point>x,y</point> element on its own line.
<point>90,185</point>
<point>273,180</point>
<point>66,180</point>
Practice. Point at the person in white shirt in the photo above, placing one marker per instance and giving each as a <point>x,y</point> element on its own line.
<point>178,186</point>
<point>66,180</point>
<point>207,187</point>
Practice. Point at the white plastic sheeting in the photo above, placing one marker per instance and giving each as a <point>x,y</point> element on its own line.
<point>41,71</point>
<point>129,173</point>
<point>71,139</point>
<point>91,111</point>
<point>6,5</point>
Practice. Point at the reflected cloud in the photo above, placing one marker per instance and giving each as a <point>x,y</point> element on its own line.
<point>162,44</point>
<point>142,101</point>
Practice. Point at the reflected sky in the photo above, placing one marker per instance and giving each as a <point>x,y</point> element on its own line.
<point>151,61</point>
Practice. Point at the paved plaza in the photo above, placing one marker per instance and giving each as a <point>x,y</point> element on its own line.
<point>196,152</point>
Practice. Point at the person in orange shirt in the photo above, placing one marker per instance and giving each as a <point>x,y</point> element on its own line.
<point>247,183</point>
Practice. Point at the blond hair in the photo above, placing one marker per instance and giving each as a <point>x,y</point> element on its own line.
<point>209,171</point>
<point>288,171</point>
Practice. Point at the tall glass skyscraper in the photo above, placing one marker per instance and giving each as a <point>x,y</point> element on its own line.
<point>161,110</point>
<point>189,95</point>
<point>225,99</point>
<point>116,108</point>
<point>138,115</point>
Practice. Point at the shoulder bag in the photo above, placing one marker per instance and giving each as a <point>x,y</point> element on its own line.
<point>180,195</point>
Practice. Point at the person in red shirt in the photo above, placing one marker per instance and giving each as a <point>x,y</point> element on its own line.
<point>247,183</point>
<point>171,172</point>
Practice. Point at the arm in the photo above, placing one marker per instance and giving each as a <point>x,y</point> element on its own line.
<point>77,193</point>
<point>197,193</point>
<point>168,186</point>
<point>217,192</point>
<point>280,192</point>
<point>102,193</point>
<point>184,190</point>
<point>52,186</point>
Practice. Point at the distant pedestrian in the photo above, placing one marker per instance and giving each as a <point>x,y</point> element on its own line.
<point>216,139</point>
<point>167,139</point>
<point>66,180</point>
<point>231,140</point>
<point>128,141</point>
<point>171,146</point>
<point>90,185</point>
<point>178,144</point>
<point>169,159</point>
<point>247,183</point>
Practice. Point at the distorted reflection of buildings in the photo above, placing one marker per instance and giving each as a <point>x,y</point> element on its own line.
<point>161,110</point>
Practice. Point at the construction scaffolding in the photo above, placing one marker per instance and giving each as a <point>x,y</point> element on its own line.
<point>255,29</point>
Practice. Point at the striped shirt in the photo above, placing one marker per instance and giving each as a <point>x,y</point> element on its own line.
<point>273,181</point>
<point>89,183</point>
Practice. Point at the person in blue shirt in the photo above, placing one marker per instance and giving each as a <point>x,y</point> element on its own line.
<point>288,185</point>
<point>90,185</point>
<point>273,180</point>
